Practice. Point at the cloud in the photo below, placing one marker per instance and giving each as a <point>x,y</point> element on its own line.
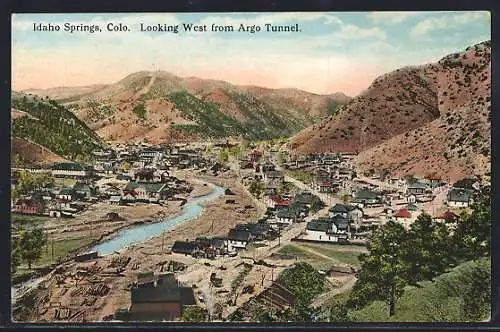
<point>390,18</point>
<point>423,29</point>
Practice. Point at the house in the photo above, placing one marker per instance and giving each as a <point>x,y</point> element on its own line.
<point>287,216</point>
<point>85,190</point>
<point>238,239</point>
<point>459,197</point>
<point>66,194</point>
<point>162,300</point>
<point>185,247</point>
<point>403,216</point>
<point>351,212</point>
<point>144,192</point>
<point>31,205</point>
<point>304,198</point>
<point>416,188</point>
<point>218,244</point>
<point>72,170</point>
<point>274,200</point>
<point>150,175</point>
<point>151,155</point>
<point>365,197</point>
<point>340,225</point>
<point>327,230</point>
<point>260,231</point>
<point>411,198</point>
<point>447,217</point>
<point>115,200</point>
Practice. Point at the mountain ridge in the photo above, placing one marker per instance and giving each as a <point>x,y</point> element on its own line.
<point>406,121</point>
<point>161,107</point>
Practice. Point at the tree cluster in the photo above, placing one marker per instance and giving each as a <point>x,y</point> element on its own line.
<point>398,257</point>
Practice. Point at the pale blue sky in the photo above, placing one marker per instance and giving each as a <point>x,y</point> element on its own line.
<point>333,52</point>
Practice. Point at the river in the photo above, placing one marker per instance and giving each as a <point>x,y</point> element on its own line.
<point>136,234</point>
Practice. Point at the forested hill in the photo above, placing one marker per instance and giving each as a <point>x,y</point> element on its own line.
<point>51,125</point>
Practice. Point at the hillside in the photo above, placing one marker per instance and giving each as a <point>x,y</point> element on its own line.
<point>433,118</point>
<point>44,123</point>
<point>24,153</point>
<point>159,106</point>
<point>462,295</point>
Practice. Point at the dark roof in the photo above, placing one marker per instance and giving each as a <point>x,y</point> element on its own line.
<point>150,187</point>
<point>184,247</point>
<point>366,194</point>
<point>305,198</point>
<point>417,185</point>
<point>339,208</point>
<point>66,191</point>
<point>155,294</point>
<point>236,235</point>
<point>460,195</point>
<point>187,296</point>
<point>287,213</point>
<point>71,167</point>
<point>318,225</point>
<point>340,222</point>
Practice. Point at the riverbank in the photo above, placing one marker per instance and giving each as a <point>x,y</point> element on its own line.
<point>92,226</point>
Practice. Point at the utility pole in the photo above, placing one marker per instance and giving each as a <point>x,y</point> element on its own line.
<point>52,247</point>
<point>162,241</point>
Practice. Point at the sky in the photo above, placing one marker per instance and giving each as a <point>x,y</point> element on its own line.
<point>332,52</point>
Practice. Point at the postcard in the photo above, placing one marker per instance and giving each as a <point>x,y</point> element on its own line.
<point>251,167</point>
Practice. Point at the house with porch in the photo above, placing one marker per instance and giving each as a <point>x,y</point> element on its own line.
<point>460,197</point>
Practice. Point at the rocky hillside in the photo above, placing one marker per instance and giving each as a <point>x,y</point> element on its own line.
<point>433,118</point>
<point>160,107</point>
<point>42,128</point>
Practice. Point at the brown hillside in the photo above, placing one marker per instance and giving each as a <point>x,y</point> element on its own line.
<point>429,119</point>
<point>33,153</point>
<point>109,110</point>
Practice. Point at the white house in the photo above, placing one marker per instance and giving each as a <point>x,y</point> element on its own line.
<point>238,239</point>
<point>459,197</point>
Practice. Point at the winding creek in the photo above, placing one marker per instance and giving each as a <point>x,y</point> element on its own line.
<point>139,233</point>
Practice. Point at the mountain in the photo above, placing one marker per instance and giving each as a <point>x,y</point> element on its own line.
<point>162,107</point>
<point>44,130</point>
<point>429,119</point>
<point>64,92</point>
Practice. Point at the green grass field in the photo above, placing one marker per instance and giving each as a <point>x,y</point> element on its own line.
<point>61,249</point>
<point>317,261</point>
<point>337,252</point>
<point>22,219</point>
